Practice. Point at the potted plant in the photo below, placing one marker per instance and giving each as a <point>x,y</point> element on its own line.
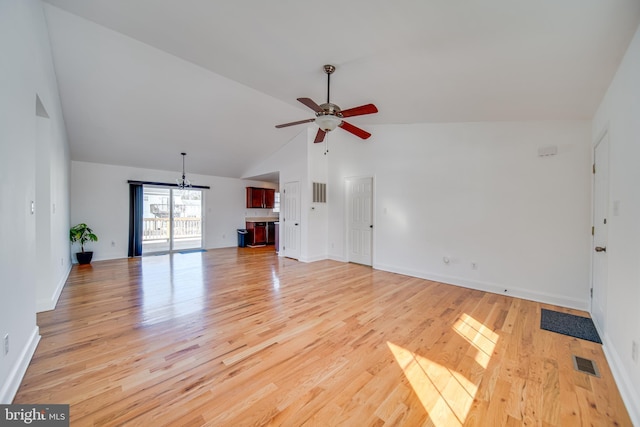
<point>83,234</point>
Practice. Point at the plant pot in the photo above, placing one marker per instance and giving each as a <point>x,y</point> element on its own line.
<point>84,257</point>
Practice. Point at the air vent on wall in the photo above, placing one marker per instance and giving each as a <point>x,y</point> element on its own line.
<point>319,192</point>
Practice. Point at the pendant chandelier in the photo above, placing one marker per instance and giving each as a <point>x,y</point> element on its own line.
<point>184,182</point>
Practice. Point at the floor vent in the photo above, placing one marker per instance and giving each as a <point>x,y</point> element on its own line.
<point>585,365</point>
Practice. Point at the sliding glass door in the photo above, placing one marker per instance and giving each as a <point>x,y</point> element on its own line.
<point>172,219</point>
<point>187,219</point>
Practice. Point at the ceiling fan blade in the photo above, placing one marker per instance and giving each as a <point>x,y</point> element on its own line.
<point>359,111</point>
<point>311,104</point>
<point>355,130</point>
<point>299,122</point>
<point>319,136</point>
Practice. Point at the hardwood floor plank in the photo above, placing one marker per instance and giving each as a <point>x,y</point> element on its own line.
<point>238,336</point>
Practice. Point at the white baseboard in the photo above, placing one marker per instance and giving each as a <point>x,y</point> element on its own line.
<point>312,259</point>
<point>491,287</point>
<point>47,304</point>
<point>10,387</point>
<point>629,395</point>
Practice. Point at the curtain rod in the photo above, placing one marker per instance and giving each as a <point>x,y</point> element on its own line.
<point>166,184</point>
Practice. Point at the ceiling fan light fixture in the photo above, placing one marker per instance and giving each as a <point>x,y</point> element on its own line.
<point>328,122</point>
<point>329,116</point>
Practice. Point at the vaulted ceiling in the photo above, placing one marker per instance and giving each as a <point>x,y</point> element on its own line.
<point>140,81</point>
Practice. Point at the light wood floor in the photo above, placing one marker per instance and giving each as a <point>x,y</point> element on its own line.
<point>237,337</point>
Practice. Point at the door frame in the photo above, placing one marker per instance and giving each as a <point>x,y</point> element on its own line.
<point>171,200</point>
<point>347,212</point>
<point>601,287</point>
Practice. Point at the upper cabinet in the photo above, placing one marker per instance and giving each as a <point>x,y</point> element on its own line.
<point>255,197</point>
<point>260,197</point>
<point>269,197</point>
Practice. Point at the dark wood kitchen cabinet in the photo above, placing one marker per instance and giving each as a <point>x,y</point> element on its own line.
<point>261,233</point>
<point>269,198</point>
<point>260,197</point>
<point>257,233</point>
<point>255,197</point>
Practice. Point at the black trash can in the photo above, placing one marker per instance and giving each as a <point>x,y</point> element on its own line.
<point>242,237</point>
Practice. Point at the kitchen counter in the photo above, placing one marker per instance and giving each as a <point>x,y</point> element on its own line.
<point>261,219</point>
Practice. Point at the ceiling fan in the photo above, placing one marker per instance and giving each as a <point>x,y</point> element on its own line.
<point>329,116</point>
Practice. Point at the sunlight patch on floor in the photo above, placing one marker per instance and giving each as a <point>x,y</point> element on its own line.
<point>446,394</point>
<point>443,394</point>
<point>479,336</point>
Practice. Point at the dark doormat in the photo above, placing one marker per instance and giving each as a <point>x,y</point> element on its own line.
<point>569,324</point>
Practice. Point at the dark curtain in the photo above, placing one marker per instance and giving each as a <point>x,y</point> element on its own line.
<point>135,219</point>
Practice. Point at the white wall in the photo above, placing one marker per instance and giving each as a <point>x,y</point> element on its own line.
<point>291,161</point>
<point>475,192</point>
<point>26,72</point>
<point>471,192</point>
<point>619,114</point>
<point>317,214</point>
<point>305,162</point>
<point>100,198</point>
<point>52,214</point>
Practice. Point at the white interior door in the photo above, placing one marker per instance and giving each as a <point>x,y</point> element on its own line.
<point>600,213</point>
<point>360,220</point>
<point>291,219</point>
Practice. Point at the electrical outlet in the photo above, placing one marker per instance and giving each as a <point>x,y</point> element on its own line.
<point>6,344</point>
<point>113,243</point>
<point>474,265</point>
<point>634,351</point>
<point>224,236</point>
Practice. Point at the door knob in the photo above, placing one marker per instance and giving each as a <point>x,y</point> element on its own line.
<point>296,223</point>
<point>601,249</point>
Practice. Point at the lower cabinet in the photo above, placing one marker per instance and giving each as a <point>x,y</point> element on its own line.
<point>261,233</point>
<point>257,233</point>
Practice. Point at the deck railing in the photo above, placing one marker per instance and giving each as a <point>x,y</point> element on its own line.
<point>158,228</point>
